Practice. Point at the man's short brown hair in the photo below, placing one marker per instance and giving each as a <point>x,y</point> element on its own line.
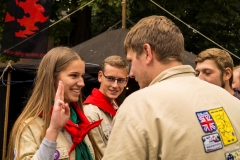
<point>219,56</point>
<point>161,34</point>
<point>115,61</point>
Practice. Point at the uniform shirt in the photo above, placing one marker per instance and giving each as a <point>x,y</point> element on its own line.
<point>102,132</point>
<point>172,119</point>
<point>32,148</point>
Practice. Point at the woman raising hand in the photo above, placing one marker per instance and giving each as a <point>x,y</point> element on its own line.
<point>52,125</point>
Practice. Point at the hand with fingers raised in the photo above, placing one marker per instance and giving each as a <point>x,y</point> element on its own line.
<point>60,114</point>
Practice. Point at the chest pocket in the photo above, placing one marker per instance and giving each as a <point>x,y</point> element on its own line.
<point>61,153</point>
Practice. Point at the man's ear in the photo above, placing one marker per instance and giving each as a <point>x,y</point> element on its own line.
<point>100,76</point>
<point>147,50</point>
<point>227,74</point>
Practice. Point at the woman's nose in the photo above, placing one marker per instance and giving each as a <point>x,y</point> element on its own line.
<point>81,82</point>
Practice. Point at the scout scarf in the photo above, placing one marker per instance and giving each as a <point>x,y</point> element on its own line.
<point>82,150</point>
<point>79,129</point>
<point>98,99</point>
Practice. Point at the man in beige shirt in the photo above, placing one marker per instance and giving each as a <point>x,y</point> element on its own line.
<point>174,116</point>
<point>101,103</point>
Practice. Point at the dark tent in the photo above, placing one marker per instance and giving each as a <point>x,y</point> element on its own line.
<point>98,48</point>
<point>109,43</point>
<point>28,66</point>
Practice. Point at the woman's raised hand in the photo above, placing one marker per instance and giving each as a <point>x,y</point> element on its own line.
<point>60,114</point>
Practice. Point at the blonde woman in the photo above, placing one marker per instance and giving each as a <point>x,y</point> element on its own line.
<point>52,124</point>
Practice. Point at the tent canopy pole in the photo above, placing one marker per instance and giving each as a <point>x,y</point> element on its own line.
<point>6,114</point>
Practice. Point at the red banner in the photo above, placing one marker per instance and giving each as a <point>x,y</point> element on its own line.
<point>25,31</point>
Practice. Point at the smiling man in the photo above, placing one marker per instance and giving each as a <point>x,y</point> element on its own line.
<point>216,66</point>
<point>101,103</point>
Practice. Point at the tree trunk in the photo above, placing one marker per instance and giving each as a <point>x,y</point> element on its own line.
<point>82,29</point>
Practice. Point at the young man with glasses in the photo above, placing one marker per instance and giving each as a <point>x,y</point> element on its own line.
<point>101,103</point>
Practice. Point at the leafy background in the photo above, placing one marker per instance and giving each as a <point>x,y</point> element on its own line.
<point>217,19</point>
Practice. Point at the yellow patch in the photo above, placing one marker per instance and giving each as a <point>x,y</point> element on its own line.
<point>224,126</point>
<point>233,155</point>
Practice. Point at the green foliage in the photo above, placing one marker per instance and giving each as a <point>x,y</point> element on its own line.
<point>4,58</point>
<point>217,19</point>
<point>105,13</point>
<point>62,29</point>
<point>2,16</point>
<point>59,10</point>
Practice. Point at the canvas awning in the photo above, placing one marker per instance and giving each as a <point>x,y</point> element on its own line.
<point>108,43</point>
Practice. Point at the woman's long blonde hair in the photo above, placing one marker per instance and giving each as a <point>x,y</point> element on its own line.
<point>40,101</point>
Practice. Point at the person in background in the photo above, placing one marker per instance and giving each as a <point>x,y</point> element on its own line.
<point>216,66</point>
<point>55,128</point>
<point>101,103</point>
<point>236,77</point>
<point>174,115</point>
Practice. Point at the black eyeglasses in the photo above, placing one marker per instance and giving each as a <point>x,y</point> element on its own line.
<point>113,79</point>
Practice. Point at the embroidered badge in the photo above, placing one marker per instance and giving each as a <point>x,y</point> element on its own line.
<point>224,125</point>
<point>108,131</point>
<point>206,121</point>
<point>108,127</point>
<point>56,154</point>
<point>63,152</point>
<point>212,142</point>
<point>233,155</point>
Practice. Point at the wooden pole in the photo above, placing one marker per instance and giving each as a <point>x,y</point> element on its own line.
<point>6,114</point>
<point>123,13</point>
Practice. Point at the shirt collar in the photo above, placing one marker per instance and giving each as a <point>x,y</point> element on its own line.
<point>172,72</point>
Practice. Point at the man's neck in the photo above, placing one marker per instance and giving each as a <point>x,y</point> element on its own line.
<point>109,99</point>
<point>160,67</point>
<point>229,89</point>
